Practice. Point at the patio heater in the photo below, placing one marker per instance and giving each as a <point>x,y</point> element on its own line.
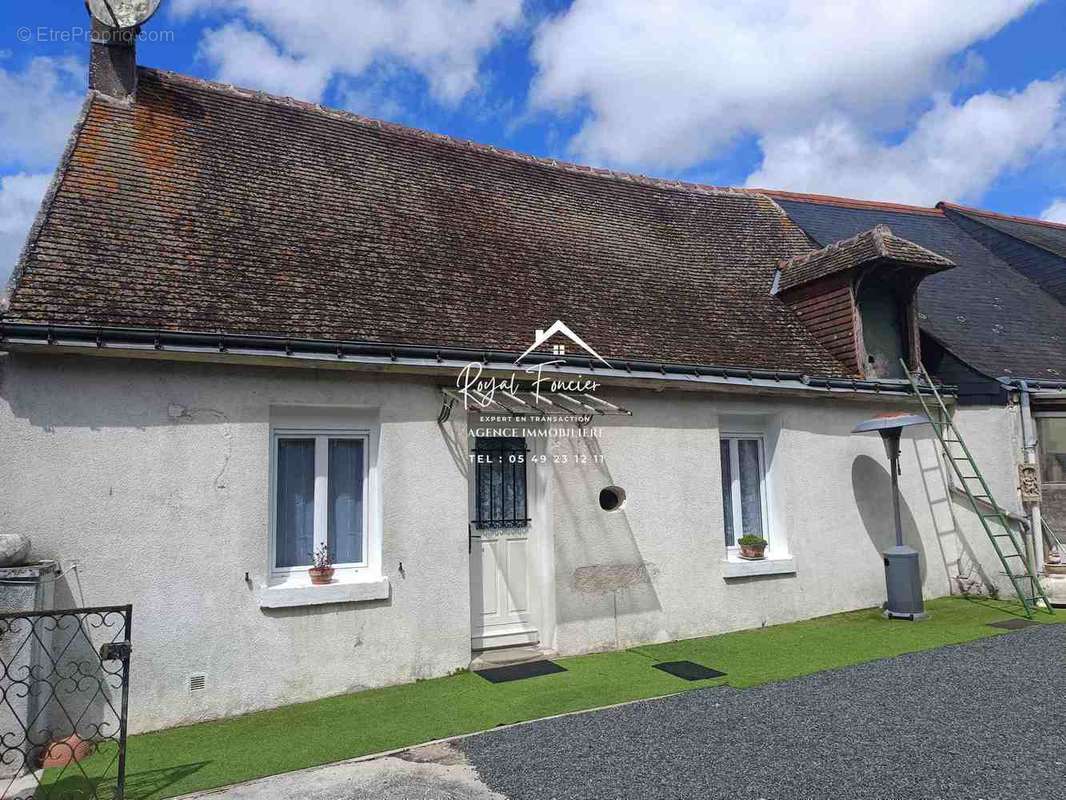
<point>903,574</point>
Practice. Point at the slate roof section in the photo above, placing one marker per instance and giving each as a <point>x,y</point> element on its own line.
<point>201,207</point>
<point>847,202</point>
<point>1035,249</point>
<point>984,311</point>
<point>1049,236</point>
<point>868,247</point>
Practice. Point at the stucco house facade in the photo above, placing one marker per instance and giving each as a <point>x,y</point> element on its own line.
<point>244,328</point>
<point>992,328</point>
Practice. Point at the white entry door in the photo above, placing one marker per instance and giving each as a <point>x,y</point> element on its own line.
<point>502,597</point>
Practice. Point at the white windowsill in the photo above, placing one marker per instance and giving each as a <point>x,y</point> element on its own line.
<point>297,590</point>
<point>733,566</point>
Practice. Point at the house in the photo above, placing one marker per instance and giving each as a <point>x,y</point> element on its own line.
<point>994,328</point>
<point>245,327</point>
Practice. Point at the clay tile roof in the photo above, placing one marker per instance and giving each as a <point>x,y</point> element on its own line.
<point>201,207</point>
<point>876,244</point>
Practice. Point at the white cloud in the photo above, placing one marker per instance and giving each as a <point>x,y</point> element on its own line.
<point>443,40</point>
<point>953,152</point>
<point>371,99</point>
<point>1056,212</point>
<point>669,84</point>
<point>246,58</point>
<point>37,110</point>
<point>38,106</point>
<point>20,197</point>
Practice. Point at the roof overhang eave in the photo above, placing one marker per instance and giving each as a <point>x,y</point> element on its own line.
<point>402,357</point>
<point>922,269</point>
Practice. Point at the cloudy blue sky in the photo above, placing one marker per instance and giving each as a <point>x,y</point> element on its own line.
<point>912,101</point>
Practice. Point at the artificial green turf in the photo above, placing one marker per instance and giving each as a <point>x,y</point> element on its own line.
<point>212,754</point>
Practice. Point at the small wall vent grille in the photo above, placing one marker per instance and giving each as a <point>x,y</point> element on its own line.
<point>197,683</point>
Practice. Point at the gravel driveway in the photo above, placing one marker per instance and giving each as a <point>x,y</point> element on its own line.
<point>971,721</point>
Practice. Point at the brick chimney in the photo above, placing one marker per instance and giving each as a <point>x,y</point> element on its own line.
<point>113,61</point>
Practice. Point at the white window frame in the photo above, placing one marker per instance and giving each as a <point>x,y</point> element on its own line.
<point>1037,415</point>
<point>735,494</point>
<point>371,562</point>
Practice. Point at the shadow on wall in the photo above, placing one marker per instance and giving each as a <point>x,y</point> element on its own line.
<point>964,571</point>
<point>456,439</point>
<point>86,698</point>
<point>872,486</point>
<point>141,393</point>
<point>608,576</point>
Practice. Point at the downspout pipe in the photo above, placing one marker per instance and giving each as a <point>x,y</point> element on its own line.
<point>1029,455</point>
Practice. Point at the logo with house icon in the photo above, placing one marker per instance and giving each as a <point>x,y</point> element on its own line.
<point>563,333</point>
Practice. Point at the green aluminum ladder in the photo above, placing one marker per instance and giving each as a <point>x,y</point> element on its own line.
<point>1006,541</point>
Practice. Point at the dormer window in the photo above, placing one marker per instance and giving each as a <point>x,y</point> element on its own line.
<point>883,300</point>
<point>857,297</point>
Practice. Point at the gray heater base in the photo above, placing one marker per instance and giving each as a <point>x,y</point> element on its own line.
<point>903,615</point>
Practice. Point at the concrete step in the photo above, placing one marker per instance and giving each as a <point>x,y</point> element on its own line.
<point>505,656</point>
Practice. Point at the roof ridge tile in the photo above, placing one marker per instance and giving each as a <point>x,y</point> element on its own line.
<point>980,212</point>
<point>795,261</point>
<point>836,257</point>
<point>849,202</point>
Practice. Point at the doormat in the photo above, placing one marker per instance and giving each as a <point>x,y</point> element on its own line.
<point>689,670</point>
<point>518,672</point>
<point>1012,624</point>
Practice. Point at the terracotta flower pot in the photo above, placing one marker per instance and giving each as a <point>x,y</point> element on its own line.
<point>321,576</point>
<point>63,752</point>
<point>753,552</point>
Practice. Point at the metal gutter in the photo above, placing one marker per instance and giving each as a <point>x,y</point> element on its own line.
<point>1033,385</point>
<point>142,340</point>
<point>1029,441</point>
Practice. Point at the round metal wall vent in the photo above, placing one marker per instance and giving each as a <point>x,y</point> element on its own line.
<point>612,498</point>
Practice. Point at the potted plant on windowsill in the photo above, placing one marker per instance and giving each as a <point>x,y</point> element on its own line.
<point>322,570</point>
<point>752,548</point>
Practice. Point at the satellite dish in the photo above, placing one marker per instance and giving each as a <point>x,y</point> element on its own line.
<point>123,13</point>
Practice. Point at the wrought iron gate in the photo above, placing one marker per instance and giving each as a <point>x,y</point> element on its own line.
<point>64,693</point>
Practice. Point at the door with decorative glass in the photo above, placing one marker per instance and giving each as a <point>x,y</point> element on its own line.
<point>502,601</point>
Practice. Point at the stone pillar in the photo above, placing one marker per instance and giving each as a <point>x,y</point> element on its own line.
<point>22,656</point>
